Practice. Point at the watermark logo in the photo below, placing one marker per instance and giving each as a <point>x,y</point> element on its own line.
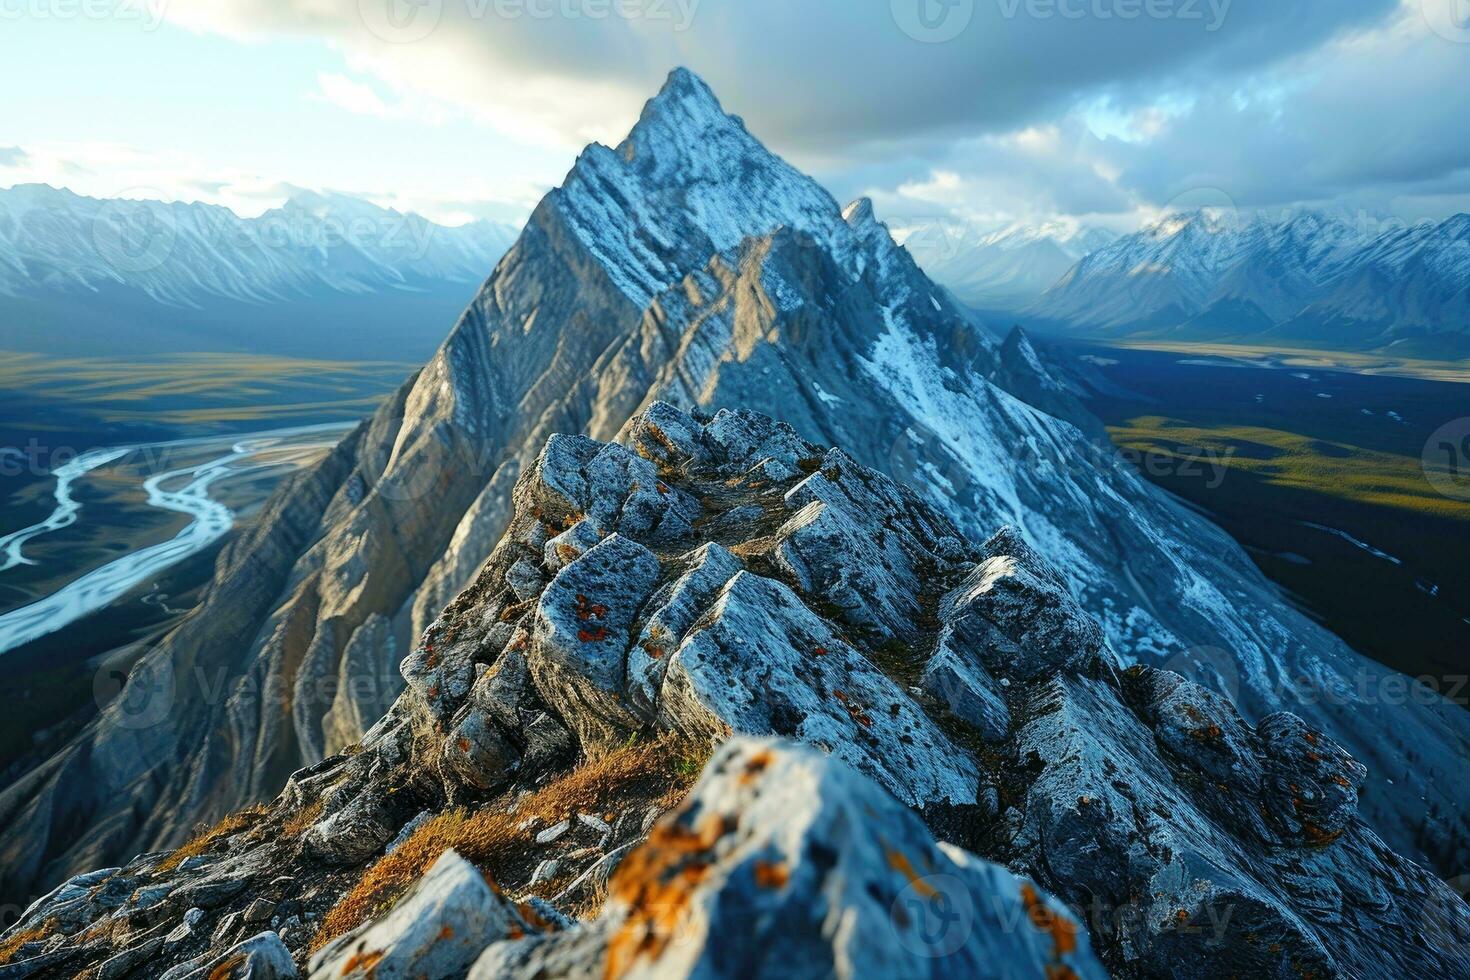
<point>933,916</point>
<point>1210,13</point>
<point>148,13</point>
<point>932,21</point>
<point>1446,459</point>
<point>400,21</point>
<point>410,21</point>
<point>1210,667</point>
<point>133,235</point>
<point>1450,19</point>
<point>1444,918</point>
<point>140,698</point>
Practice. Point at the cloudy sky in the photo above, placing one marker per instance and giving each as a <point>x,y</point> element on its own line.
<point>982,111</point>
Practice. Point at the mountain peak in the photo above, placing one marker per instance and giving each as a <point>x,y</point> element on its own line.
<point>685,104</point>
<point>859,212</point>
<point>688,181</point>
<point>683,85</point>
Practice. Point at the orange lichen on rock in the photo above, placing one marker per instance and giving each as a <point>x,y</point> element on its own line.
<point>366,962</point>
<point>1318,837</point>
<point>536,919</point>
<point>11,946</point>
<point>754,766</point>
<point>656,883</point>
<point>899,861</point>
<point>854,710</point>
<point>226,970</point>
<point>587,609</point>
<point>1063,931</point>
<point>771,874</point>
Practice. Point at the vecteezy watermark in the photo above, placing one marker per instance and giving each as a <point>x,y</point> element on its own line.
<point>400,21</point>
<point>133,235</point>
<point>933,916</point>
<point>1210,667</point>
<point>932,21</point>
<point>928,458</point>
<point>1210,13</point>
<point>410,21</point>
<point>1450,19</point>
<point>1446,459</point>
<point>148,13</point>
<point>1444,918</point>
<point>1220,670</point>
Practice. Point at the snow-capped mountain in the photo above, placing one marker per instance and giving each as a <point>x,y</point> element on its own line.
<point>1310,277</point>
<point>68,261</point>
<point>1006,268</point>
<point>687,265</point>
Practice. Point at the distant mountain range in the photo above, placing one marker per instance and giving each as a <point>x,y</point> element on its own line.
<point>1009,267</point>
<point>83,275</point>
<point>1310,278</point>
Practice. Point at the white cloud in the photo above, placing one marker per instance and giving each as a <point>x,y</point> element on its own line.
<point>1019,118</point>
<point>354,96</point>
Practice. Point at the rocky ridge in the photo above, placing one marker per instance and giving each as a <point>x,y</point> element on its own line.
<point>688,264</point>
<point>706,581</point>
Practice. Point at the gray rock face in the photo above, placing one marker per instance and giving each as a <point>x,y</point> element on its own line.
<point>580,642</point>
<point>785,863</point>
<point>765,664</point>
<point>437,930</point>
<point>1019,622</point>
<point>965,689</point>
<point>262,957</point>
<point>1184,840</point>
<point>676,608</point>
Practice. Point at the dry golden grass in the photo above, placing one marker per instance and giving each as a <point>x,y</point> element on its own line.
<point>660,771</point>
<point>12,945</point>
<point>302,820</point>
<point>202,842</point>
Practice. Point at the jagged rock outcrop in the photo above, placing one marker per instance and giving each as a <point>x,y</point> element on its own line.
<point>689,264</point>
<point>437,930</point>
<point>782,863</point>
<point>1185,841</point>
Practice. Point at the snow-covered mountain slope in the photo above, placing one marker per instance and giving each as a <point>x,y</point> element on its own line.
<point>690,265</point>
<point>1007,268</point>
<point>164,274</point>
<point>1310,277</point>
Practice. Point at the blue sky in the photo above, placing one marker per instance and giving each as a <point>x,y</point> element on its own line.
<point>979,111</point>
